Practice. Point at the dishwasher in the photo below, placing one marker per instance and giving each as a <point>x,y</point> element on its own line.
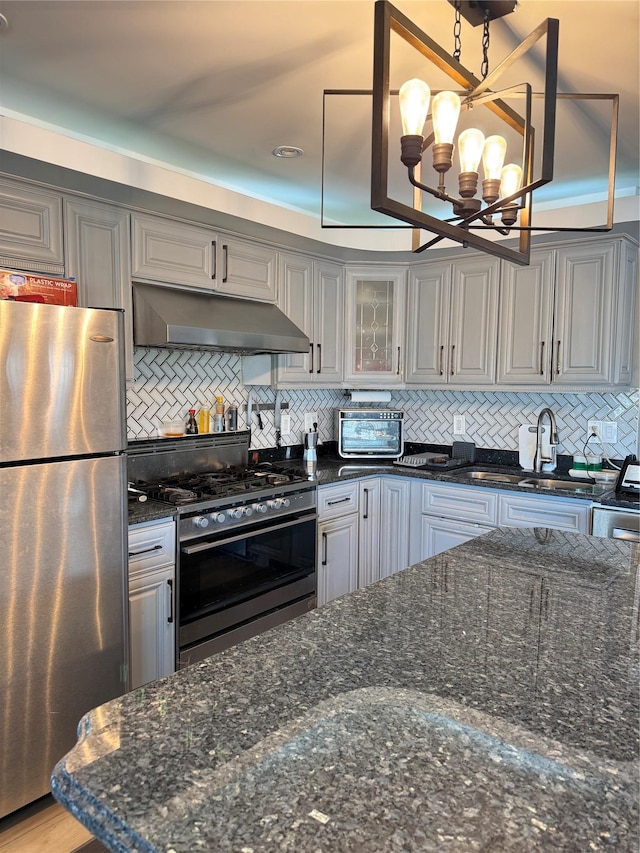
<point>618,522</point>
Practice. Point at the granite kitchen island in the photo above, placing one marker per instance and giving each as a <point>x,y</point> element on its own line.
<point>485,699</point>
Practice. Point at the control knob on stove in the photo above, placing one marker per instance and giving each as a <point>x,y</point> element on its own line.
<point>200,521</point>
<point>218,517</point>
<point>261,508</point>
<point>279,503</point>
<point>239,511</point>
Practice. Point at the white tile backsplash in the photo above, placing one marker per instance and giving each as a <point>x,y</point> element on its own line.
<point>169,382</point>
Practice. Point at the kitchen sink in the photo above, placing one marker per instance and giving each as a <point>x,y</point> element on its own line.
<point>564,485</point>
<point>492,476</point>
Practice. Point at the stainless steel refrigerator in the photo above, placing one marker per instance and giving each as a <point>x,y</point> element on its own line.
<point>62,533</point>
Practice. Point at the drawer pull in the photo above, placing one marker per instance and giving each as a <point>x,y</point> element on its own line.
<point>338,501</point>
<point>541,358</point>
<point>170,585</point>
<point>319,370</point>
<point>324,549</point>
<point>145,551</point>
<point>311,354</point>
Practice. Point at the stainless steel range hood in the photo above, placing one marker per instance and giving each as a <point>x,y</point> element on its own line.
<point>181,319</point>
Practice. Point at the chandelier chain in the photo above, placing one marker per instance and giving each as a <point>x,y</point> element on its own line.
<point>485,45</point>
<point>457,30</point>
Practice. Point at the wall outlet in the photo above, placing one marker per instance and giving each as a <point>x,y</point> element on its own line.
<point>310,418</point>
<point>594,428</point>
<point>285,424</point>
<point>459,425</point>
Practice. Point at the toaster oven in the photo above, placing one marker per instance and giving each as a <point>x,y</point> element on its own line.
<point>370,433</point>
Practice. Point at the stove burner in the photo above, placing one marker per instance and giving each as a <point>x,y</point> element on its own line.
<point>211,485</point>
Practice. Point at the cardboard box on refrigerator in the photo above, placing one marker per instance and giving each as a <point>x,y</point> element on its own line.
<point>25,287</point>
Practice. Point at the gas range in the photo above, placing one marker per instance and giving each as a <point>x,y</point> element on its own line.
<point>211,486</point>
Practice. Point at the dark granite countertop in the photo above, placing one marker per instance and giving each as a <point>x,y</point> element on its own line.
<point>486,699</point>
<point>149,511</point>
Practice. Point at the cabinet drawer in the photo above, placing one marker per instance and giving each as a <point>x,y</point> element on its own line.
<point>467,503</point>
<point>334,501</point>
<point>539,511</point>
<point>151,545</point>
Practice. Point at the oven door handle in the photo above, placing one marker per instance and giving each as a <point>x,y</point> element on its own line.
<point>208,546</point>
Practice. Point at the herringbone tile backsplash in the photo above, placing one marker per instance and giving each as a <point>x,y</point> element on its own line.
<point>169,382</point>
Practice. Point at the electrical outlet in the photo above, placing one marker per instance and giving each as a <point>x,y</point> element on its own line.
<point>594,428</point>
<point>285,424</point>
<point>310,418</point>
<point>459,425</point>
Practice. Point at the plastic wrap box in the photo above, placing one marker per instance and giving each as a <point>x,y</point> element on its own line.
<point>24,287</point>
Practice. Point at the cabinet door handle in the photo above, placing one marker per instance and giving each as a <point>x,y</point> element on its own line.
<point>319,370</point>
<point>145,551</point>
<point>366,505</point>
<point>225,262</point>
<point>441,357</point>
<point>214,259</point>
<point>452,365</point>
<point>398,370</point>
<point>311,354</point>
<point>541,358</point>
<point>557,358</point>
<point>324,549</point>
<point>338,501</point>
<point>170,585</point>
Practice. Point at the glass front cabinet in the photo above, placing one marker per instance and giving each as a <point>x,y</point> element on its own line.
<point>375,305</point>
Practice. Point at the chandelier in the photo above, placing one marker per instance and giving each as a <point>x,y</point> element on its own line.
<point>502,201</point>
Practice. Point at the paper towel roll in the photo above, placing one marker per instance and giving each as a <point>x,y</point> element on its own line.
<point>370,396</point>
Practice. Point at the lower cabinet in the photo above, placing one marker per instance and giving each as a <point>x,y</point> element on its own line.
<point>443,515</point>
<point>151,601</point>
<point>362,534</point>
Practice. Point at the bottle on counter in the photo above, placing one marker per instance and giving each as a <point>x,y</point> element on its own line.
<point>218,417</point>
<point>204,419</point>
<point>232,417</point>
<point>192,426</point>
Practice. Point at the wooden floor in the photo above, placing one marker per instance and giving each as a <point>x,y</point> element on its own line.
<point>43,827</point>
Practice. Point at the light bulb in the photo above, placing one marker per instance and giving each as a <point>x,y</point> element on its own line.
<point>495,147</point>
<point>510,179</point>
<point>470,145</point>
<point>445,110</point>
<point>414,105</point>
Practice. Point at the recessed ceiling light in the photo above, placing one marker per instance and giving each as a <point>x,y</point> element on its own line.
<point>288,151</point>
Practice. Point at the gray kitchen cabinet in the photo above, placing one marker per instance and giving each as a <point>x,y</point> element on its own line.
<point>374,332</point>
<point>172,252</point>
<point>31,236</point>
<point>443,515</point>
<point>452,323</point>
<point>151,601</point>
<point>98,257</point>
<point>394,525</point>
<point>518,510</point>
<point>337,540</point>
<point>567,319</point>
<point>311,294</point>
<point>369,531</point>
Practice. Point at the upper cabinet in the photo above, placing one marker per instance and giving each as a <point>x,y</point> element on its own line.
<point>311,295</point>
<point>567,319</point>
<point>30,228</point>
<point>374,333</point>
<point>173,252</point>
<point>98,257</point>
<point>452,321</point>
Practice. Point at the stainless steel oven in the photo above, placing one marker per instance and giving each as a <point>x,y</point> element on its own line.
<point>237,581</point>
<point>246,538</point>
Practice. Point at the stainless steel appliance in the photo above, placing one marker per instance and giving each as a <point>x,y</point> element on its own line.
<point>62,533</point>
<point>370,433</point>
<point>617,522</point>
<point>246,538</point>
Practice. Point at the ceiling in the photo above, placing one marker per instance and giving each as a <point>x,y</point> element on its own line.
<point>211,87</point>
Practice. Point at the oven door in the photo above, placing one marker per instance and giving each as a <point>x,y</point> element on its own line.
<point>230,580</point>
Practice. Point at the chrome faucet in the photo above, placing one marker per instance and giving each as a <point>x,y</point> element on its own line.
<point>554,441</point>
